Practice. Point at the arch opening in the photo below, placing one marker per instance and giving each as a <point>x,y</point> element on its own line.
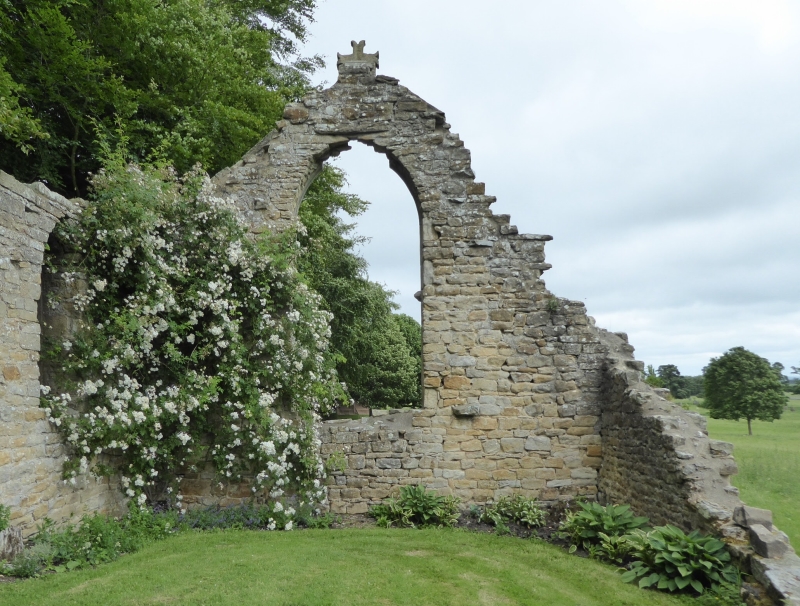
<point>369,276</point>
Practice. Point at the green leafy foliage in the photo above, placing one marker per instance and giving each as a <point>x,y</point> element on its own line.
<point>187,81</point>
<point>196,337</point>
<point>5,516</point>
<point>515,509</point>
<point>742,385</point>
<point>17,124</point>
<point>723,594</point>
<point>247,516</point>
<point>417,507</point>
<point>667,558</point>
<point>379,353</point>
<point>680,386</point>
<point>651,378</point>
<point>95,540</point>
<point>586,527</point>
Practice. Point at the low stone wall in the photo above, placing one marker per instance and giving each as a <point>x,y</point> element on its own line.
<point>31,452</point>
<point>478,459</point>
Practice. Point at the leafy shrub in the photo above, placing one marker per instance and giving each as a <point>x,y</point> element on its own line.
<point>668,558</point>
<point>200,342</point>
<point>417,507</point>
<point>5,515</point>
<point>597,525</point>
<point>96,539</point>
<point>30,563</point>
<point>323,521</point>
<point>516,509</point>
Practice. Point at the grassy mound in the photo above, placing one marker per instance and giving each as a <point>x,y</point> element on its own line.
<point>340,567</point>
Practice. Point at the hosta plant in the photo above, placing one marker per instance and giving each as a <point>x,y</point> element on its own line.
<point>584,527</point>
<point>517,509</point>
<point>417,507</point>
<point>668,558</point>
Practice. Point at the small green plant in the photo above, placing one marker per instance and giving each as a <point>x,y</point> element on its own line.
<point>667,558</point>
<point>417,507</point>
<point>5,516</point>
<point>94,540</point>
<point>30,563</point>
<point>552,305</point>
<point>724,594</point>
<point>613,548</point>
<point>516,509</point>
<point>584,528</point>
<point>320,522</point>
<point>336,463</point>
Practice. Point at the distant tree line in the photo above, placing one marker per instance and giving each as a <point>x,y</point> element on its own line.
<point>670,377</point>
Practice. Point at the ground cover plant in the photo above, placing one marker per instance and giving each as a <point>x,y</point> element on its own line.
<point>601,531</point>
<point>668,558</point>
<point>347,567</point>
<point>516,509</point>
<point>417,507</point>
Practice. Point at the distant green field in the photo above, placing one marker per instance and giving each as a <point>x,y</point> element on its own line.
<point>769,464</point>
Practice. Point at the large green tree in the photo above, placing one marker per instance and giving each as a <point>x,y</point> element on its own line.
<point>742,385</point>
<point>379,352</point>
<point>184,81</point>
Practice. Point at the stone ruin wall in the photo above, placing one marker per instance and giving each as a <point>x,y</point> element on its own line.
<point>31,451</point>
<point>522,393</point>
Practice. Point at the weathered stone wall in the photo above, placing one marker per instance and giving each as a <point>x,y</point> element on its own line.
<point>31,452</point>
<point>658,458</point>
<point>511,374</point>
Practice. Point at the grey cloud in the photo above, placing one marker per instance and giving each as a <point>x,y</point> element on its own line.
<point>661,149</point>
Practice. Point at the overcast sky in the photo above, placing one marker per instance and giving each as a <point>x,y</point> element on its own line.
<point>657,141</point>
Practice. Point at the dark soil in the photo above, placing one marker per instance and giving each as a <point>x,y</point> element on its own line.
<point>469,521</point>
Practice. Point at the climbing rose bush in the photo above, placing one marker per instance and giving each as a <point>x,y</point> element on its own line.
<point>199,342</point>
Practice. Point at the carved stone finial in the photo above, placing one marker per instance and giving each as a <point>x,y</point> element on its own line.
<point>358,48</point>
<point>357,65</point>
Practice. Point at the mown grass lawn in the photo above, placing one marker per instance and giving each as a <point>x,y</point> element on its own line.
<point>340,567</point>
<point>769,464</point>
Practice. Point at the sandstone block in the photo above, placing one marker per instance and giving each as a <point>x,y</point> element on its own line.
<point>471,446</point>
<point>485,423</point>
<point>720,449</point>
<point>748,516</point>
<point>768,543</point>
<point>538,443</point>
<point>512,444</point>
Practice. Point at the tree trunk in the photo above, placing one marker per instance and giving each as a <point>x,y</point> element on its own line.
<point>749,428</point>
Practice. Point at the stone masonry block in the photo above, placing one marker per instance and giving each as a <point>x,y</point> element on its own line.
<point>768,543</point>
